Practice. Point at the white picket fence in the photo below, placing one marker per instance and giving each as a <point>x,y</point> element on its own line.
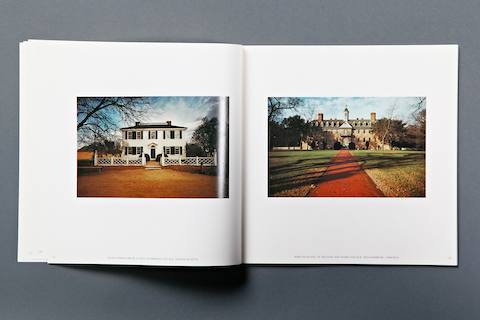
<point>187,161</point>
<point>117,161</point>
<point>190,161</point>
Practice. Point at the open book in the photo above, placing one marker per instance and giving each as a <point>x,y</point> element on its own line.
<point>215,154</point>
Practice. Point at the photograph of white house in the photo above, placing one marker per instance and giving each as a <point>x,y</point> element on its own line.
<point>152,147</point>
<point>154,140</point>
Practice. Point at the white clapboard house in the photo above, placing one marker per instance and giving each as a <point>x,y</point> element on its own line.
<point>154,140</point>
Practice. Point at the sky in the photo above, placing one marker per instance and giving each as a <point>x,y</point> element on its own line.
<point>358,107</point>
<point>182,111</point>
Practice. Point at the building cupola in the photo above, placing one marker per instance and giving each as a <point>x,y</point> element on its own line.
<point>346,114</point>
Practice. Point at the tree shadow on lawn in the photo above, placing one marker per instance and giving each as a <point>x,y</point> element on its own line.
<point>299,165</point>
<point>302,177</point>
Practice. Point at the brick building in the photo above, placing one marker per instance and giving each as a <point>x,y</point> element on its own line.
<point>350,133</point>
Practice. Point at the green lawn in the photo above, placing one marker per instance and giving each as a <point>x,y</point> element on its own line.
<point>396,173</point>
<point>292,173</point>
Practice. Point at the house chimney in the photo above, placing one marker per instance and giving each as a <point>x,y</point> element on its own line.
<point>169,123</point>
<point>373,117</point>
<point>137,123</point>
<point>320,117</point>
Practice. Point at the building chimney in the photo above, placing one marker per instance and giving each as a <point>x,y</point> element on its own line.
<point>169,123</point>
<point>373,117</point>
<point>320,117</point>
<point>137,123</point>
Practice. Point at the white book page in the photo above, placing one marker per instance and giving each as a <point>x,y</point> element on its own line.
<point>346,229</point>
<point>64,220</point>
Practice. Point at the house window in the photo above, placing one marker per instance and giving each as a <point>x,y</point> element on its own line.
<point>132,150</point>
<point>172,134</point>
<point>172,150</point>
<point>167,150</point>
<point>152,134</point>
<point>139,150</point>
<point>139,134</point>
<point>131,135</point>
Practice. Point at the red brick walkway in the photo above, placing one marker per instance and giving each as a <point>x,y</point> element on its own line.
<point>344,177</point>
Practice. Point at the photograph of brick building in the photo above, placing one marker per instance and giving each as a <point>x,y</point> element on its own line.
<point>346,146</point>
<point>349,133</point>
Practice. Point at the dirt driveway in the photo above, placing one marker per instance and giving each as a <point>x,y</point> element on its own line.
<point>141,183</point>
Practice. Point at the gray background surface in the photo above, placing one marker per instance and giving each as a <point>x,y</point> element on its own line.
<point>38,291</point>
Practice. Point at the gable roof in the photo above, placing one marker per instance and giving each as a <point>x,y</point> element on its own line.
<point>345,125</point>
<point>153,125</point>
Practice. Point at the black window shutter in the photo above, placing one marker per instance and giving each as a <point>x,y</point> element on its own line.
<point>180,147</point>
<point>126,150</point>
<point>180,135</point>
<point>164,135</point>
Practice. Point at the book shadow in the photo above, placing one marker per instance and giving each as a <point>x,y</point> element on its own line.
<point>212,279</point>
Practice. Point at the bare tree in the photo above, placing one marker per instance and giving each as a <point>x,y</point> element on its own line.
<point>309,114</point>
<point>417,130</point>
<point>277,105</point>
<point>98,117</point>
<point>419,104</point>
<point>383,127</point>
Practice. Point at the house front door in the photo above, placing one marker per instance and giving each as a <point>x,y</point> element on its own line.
<point>152,154</point>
